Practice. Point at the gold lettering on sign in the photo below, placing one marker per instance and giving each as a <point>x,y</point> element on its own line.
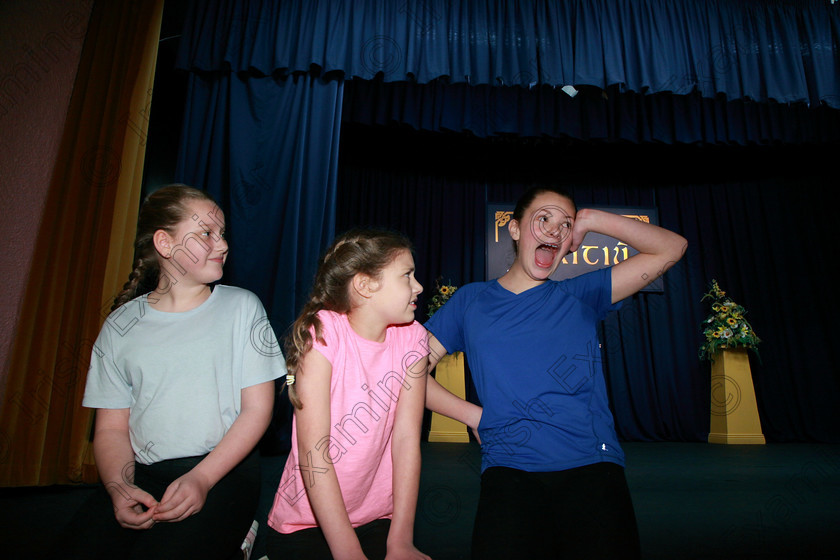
<point>623,251</point>
<point>586,249</point>
<point>591,254</point>
<point>588,254</point>
<point>574,259</point>
<point>502,218</point>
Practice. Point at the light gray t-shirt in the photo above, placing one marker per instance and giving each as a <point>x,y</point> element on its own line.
<point>181,374</point>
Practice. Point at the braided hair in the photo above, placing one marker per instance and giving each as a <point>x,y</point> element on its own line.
<point>359,251</point>
<point>163,209</point>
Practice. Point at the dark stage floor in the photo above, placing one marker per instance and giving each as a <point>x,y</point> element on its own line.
<point>692,500</point>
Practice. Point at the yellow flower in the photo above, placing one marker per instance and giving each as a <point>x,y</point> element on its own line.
<point>441,296</point>
<point>725,326</point>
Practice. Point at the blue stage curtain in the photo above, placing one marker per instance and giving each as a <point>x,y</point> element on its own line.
<point>756,219</point>
<point>266,148</point>
<point>781,50</point>
<point>592,114</point>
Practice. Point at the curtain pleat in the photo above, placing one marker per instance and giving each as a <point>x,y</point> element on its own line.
<point>267,149</point>
<point>762,50</point>
<point>592,114</point>
<point>84,248</point>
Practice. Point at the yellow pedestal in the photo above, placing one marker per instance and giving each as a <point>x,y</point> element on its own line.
<point>734,413</point>
<point>449,372</point>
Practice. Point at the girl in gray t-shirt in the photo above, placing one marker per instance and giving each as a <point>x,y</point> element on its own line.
<point>182,380</point>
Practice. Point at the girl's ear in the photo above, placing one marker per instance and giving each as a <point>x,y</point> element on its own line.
<point>364,285</point>
<point>163,243</point>
<point>513,228</point>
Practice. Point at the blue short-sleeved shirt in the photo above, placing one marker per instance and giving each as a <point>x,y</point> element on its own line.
<point>536,364</point>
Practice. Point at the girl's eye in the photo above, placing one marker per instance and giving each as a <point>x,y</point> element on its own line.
<point>212,235</point>
<point>566,225</point>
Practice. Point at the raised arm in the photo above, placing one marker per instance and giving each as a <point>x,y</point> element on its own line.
<point>319,476</point>
<point>187,494</point>
<point>405,454</point>
<point>659,249</point>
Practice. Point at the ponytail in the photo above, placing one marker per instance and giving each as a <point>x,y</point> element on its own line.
<point>137,281</point>
<point>299,343</point>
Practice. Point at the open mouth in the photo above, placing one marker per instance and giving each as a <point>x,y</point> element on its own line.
<point>544,255</point>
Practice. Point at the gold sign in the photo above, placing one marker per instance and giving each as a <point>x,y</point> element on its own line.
<point>502,218</point>
<point>598,250</point>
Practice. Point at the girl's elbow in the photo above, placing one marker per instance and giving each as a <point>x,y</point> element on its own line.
<point>406,440</point>
<point>257,416</point>
<point>678,247</point>
<point>683,247</point>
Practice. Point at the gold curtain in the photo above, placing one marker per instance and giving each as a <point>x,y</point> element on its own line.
<point>84,250</point>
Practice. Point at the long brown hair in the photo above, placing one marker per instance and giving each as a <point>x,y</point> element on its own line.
<point>365,251</point>
<point>163,209</point>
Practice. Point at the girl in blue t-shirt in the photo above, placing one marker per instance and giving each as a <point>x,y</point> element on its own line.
<point>552,481</point>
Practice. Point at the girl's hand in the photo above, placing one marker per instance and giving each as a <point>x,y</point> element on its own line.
<point>133,508</point>
<point>183,498</point>
<point>579,229</point>
<point>405,551</point>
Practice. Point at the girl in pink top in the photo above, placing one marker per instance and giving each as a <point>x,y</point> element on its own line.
<point>357,378</point>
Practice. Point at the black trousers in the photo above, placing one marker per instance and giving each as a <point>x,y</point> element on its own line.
<point>580,513</point>
<point>310,544</point>
<point>217,531</point>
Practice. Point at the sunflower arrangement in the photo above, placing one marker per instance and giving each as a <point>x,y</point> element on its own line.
<point>725,327</point>
<point>442,295</point>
